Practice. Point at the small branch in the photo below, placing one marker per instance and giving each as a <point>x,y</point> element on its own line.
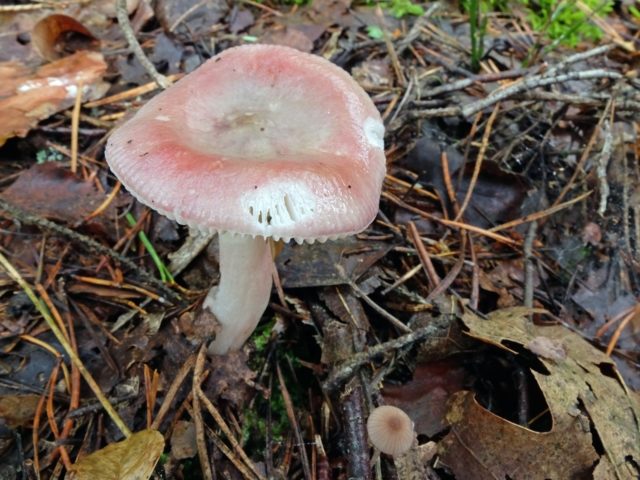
<point>291,414</point>
<point>75,359</point>
<point>344,371</point>
<point>535,82</point>
<point>522,87</point>
<point>603,163</point>
<point>529,267</point>
<point>90,244</point>
<point>125,25</point>
<point>354,424</point>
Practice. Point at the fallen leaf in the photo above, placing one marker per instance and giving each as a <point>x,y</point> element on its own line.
<point>289,37</point>
<point>18,410</point>
<point>26,96</point>
<point>425,397</point>
<point>315,265</point>
<point>482,446</point>
<point>586,397</point>
<point>58,35</point>
<point>52,191</point>
<point>497,195</point>
<point>130,459</point>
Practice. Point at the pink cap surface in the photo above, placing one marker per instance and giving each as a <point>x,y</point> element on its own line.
<point>260,140</point>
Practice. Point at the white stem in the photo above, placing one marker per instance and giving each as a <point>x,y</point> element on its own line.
<point>242,295</point>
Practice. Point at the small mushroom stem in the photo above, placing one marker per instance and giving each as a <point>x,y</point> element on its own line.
<point>242,295</point>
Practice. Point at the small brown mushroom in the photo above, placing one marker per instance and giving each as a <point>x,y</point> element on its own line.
<point>390,430</point>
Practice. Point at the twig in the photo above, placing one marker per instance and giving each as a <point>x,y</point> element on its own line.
<point>291,414</point>
<point>132,93</point>
<point>173,391</point>
<point>541,214</point>
<point>577,57</point>
<point>423,255</point>
<point>478,164</point>
<point>529,267</point>
<point>219,420</point>
<point>453,273</point>
<point>467,82</point>
<point>196,414</point>
<point>75,123</point>
<point>344,371</point>
<point>603,163</point>
<point>585,154</point>
<point>515,89</point>
<point>535,82</point>
<point>13,273</point>
<point>90,244</point>
<point>357,449</point>
<point>449,223</point>
<point>125,25</point>
<point>393,320</point>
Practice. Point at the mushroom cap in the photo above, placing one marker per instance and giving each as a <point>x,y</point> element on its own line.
<point>390,430</point>
<point>260,140</point>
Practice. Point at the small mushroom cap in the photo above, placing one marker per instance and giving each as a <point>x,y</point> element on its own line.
<point>390,430</point>
<point>260,140</point>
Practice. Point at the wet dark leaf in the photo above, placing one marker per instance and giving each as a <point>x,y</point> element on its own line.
<point>51,191</point>
<point>315,265</point>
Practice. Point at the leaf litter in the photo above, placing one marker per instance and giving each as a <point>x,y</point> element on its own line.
<point>540,133</point>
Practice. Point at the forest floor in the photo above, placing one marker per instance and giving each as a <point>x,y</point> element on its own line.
<point>494,299</point>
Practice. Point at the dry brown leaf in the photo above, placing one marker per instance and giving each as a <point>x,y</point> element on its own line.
<point>130,459</point>
<point>57,35</point>
<point>587,399</point>
<point>18,410</point>
<point>482,445</point>
<point>27,97</point>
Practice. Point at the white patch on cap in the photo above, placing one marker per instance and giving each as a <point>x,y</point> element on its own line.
<point>374,132</point>
<point>163,118</point>
<point>277,206</point>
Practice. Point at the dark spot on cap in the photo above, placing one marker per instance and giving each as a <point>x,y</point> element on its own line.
<point>255,186</point>
<point>129,141</point>
<point>348,186</point>
<point>144,154</point>
<point>262,129</point>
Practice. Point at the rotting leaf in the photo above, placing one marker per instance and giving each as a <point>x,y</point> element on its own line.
<point>183,440</point>
<point>588,401</point>
<point>26,96</point>
<point>130,459</point>
<point>18,410</point>
<point>314,265</point>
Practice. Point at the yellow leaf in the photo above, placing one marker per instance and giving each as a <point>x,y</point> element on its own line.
<point>130,459</point>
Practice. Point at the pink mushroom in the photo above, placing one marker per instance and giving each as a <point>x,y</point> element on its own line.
<point>261,141</point>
